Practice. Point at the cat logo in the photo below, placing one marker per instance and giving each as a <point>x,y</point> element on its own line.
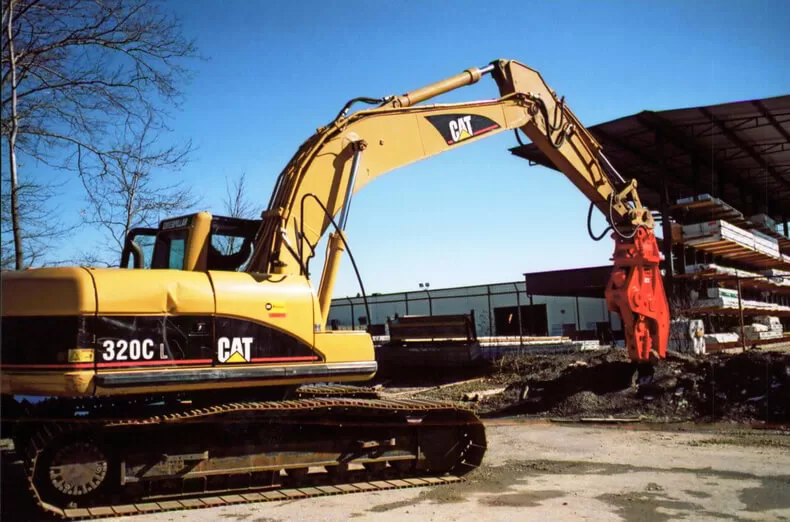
<point>456,128</point>
<point>461,129</point>
<point>235,350</point>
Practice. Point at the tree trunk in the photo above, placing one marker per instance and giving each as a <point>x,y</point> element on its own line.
<point>19,258</point>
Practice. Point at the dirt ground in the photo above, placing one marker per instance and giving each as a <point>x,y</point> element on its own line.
<point>748,387</point>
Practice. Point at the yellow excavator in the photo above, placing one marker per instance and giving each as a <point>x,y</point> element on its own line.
<point>171,383</point>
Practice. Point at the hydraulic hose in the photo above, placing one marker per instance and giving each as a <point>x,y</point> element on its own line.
<point>589,226</point>
<point>345,243</point>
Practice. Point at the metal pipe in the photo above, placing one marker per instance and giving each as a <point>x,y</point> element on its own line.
<point>740,313</point>
<point>468,77</point>
<point>352,179</point>
<point>611,167</point>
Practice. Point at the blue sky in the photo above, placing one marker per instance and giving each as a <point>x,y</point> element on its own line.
<point>277,70</point>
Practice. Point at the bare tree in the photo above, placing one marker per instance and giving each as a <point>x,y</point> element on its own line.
<point>70,69</point>
<point>127,192</point>
<point>40,224</point>
<point>236,204</point>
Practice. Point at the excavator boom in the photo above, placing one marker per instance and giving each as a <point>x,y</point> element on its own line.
<point>318,184</point>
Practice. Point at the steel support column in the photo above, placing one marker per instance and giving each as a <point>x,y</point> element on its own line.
<point>666,224</point>
<point>490,321</point>
<point>518,312</point>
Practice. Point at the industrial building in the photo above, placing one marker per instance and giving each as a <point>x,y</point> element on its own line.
<point>562,302</point>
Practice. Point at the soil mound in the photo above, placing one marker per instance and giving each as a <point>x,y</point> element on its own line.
<point>746,387</point>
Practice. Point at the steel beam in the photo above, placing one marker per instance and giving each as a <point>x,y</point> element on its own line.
<point>737,140</point>
<point>771,119</point>
<point>655,122</point>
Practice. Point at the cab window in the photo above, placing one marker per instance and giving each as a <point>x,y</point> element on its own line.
<point>170,250</point>
<point>138,251</point>
<point>229,251</point>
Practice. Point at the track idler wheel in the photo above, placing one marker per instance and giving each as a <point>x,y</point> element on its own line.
<point>73,473</point>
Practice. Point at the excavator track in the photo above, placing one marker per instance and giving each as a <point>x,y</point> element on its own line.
<point>247,452</point>
<point>336,390</point>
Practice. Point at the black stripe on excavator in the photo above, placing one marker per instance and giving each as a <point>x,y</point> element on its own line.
<point>456,128</point>
<point>197,340</point>
<point>29,341</point>
<point>217,374</point>
<point>44,343</point>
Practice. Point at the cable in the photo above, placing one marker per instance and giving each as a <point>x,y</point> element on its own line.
<point>362,99</point>
<point>545,113</point>
<point>518,138</point>
<point>561,106</point>
<point>302,238</point>
<point>350,255</point>
<point>589,227</point>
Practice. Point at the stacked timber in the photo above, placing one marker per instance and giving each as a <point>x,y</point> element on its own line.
<point>717,228</point>
<point>495,350</point>
<point>765,278</point>
<point>706,207</point>
<point>763,328</point>
<point>714,340</point>
<point>725,239</point>
<point>731,303</point>
<point>771,322</point>
<point>777,277</point>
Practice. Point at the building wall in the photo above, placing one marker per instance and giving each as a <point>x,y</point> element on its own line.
<point>483,299</point>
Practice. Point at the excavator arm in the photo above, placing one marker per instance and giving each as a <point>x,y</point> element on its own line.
<point>315,189</point>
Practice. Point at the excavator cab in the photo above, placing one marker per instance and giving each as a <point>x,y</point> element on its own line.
<point>196,242</point>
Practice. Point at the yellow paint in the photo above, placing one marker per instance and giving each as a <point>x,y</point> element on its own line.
<point>48,292</point>
<point>243,295</point>
<point>345,346</point>
<point>236,358</point>
<point>81,355</point>
<point>55,383</point>
<point>197,246</point>
<point>152,292</point>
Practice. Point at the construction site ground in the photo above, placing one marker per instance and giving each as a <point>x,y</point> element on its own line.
<point>579,437</point>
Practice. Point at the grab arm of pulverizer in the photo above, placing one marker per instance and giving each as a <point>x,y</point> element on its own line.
<point>342,157</point>
<point>635,290</point>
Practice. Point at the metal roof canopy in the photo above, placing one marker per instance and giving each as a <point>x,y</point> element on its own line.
<point>575,282</point>
<point>738,152</point>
